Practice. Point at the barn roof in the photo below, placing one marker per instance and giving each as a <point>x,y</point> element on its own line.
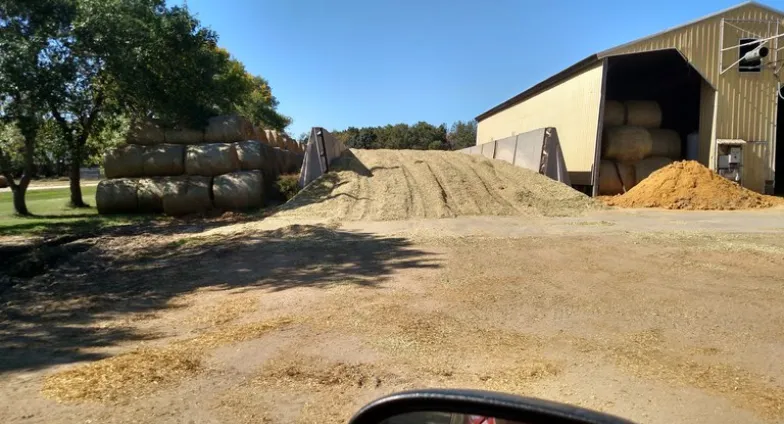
<point>594,59</point>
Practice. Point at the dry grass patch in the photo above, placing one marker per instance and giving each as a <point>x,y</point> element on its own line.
<point>225,311</point>
<point>146,370</point>
<point>647,355</point>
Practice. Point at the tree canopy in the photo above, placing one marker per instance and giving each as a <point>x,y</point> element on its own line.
<point>73,71</point>
<point>420,136</point>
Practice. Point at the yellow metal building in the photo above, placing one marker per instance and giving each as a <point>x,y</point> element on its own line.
<point>721,101</point>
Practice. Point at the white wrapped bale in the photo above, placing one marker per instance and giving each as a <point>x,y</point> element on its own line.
<point>228,129</point>
<point>250,155</point>
<point>124,161</point>
<point>163,160</point>
<point>666,143</point>
<point>626,144</point>
<point>116,196</point>
<point>145,131</point>
<point>187,195</point>
<point>213,159</point>
<point>238,190</point>
<point>615,178</point>
<point>648,166</point>
<point>643,113</point>
<point>614,113</point>
<point>184,136</point>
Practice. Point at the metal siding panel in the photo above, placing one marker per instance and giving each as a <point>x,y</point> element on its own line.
<point>572,107</point>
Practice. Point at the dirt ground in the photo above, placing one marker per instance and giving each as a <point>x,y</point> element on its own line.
<point>657,316</point>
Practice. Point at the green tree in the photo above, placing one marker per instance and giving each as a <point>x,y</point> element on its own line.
<point>260,106</point>
<point>462,135</point>
<point>28,68</point>
<point>138,58</point>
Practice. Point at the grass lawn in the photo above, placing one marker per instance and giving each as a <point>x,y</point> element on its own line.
<point>53,215</point>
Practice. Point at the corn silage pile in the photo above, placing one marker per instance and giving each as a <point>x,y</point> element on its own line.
<point>403,184</point>
<point>182,171</point>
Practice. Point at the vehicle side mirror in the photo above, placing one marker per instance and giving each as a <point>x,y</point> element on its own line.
<point>474,407</point>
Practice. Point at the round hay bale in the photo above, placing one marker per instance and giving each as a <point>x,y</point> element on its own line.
<point>643,113</point>
<point>150,192</point>
<point>666,143</point>
<point>615,178</point>
<point>614,113</point>
<point>269,165</point>
<point>212,159</point>
<point>259,135</point>
<point>228,129</point>
<point>116,196</point>
<point>145,131</point>
<point>626,144</point>
<point>272,137</point>
<point>648,166</point>
<point>3,181</point>
<point>249,155</point>
<point>184,136</point>
<point>187,195</point>
<point>281,164</point>
<point>163,160</point>
<point>124,161</point>
<point>238,190</point>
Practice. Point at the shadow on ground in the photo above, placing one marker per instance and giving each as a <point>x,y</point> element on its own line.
<point>53,318</point>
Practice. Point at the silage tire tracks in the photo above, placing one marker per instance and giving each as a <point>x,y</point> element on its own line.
<point>470,165</point>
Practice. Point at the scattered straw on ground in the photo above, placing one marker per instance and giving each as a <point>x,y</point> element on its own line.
<point>646,354</point>
<point>316,372</point>
<point>226,310</point>
<point>382,185</point>
<point>690,185</point>
<point>145,370</point>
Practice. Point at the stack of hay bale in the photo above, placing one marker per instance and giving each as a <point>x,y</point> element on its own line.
<point>182,171</point>
<point>634,145</point>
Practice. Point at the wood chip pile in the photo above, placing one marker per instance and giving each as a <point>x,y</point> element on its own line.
<point>174,170</point>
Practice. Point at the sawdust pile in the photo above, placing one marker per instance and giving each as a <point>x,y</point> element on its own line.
<point>690,185</point>
<point>145,370</point>
<point>385,185</point>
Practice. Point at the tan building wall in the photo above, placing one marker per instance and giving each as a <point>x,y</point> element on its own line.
<point>746,104</point>
<point>572,107</point>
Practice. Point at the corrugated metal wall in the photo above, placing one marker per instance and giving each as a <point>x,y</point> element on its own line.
<point>746,106</point>
<point>571,106</point>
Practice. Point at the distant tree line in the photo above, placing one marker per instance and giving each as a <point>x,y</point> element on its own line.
<point>420,136</point>
<point>74,73</point>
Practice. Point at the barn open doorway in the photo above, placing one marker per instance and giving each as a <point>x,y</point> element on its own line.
<point>664,79</point>
<point>662,76</point>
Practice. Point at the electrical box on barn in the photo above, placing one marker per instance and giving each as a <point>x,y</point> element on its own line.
<point>730,158</point>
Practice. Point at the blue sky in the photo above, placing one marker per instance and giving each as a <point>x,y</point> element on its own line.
<point>343,63</point>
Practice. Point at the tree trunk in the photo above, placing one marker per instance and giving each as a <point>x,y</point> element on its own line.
<point>20,205</point>
<point>76,187</point>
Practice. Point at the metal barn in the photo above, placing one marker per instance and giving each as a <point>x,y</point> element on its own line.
<point>701,74</point>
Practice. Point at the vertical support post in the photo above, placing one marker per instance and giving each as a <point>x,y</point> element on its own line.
<point>721,51</point>
<point>323,145</point>
<point>597,154</point>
